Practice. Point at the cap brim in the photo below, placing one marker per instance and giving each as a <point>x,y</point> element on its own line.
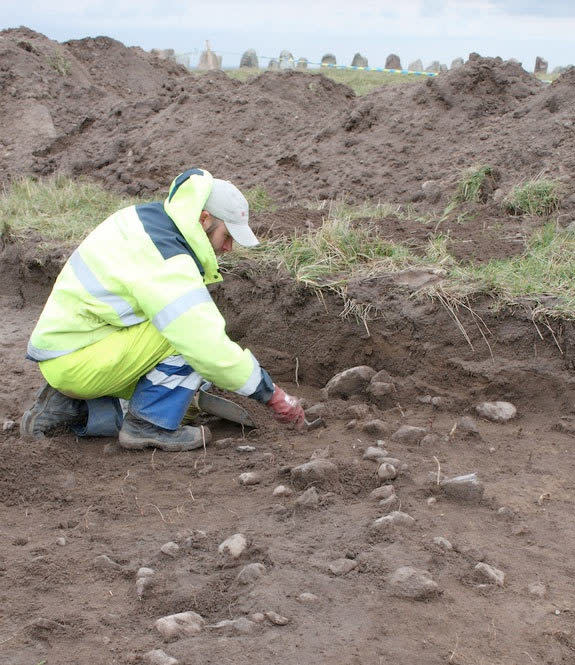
<point>242,234</point>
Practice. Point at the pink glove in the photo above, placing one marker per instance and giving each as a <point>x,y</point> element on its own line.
<point>286,408</point>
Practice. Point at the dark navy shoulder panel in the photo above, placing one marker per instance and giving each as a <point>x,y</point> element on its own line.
<point>165,235</point>
<point>182,178</point>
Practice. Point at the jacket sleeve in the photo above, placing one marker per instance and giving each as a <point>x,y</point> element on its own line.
<point>174,298</point>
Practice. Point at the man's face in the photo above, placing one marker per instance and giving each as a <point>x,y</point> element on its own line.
<point>218,234</point>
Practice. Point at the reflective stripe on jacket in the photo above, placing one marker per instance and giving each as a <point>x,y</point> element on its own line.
<point>148,262</point>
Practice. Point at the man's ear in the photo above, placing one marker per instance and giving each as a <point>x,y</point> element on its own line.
<point>205,220</point>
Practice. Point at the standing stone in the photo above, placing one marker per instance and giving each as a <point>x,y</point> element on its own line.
<point>540,65</point>
<point>359,61</point>
<point>416,66</point>
<point>457,62</point>
<point>301,63</point>
<point>435,66</point>
<point>209,60</point>
<point>328,59</point>
<point>392,61</point>
<point>286,60</point>
<point>273,64</point>
<point>249,59</point>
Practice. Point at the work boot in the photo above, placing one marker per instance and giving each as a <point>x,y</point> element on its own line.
<point>137,434</point>
<point>50,410</point>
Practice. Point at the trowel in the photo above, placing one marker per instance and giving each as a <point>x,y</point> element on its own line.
<point>228,410</point>
<point>222,407</point>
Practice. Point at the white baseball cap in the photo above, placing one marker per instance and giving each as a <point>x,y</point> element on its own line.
<point>227,203</point>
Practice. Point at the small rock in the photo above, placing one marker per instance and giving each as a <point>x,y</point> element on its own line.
<point>351,424</point>
<point>374,453</point>
<point>506,513</point>
<point>61,541</point>
<point>375,427</point>
<point>307,597</point>
<point>318,471</point>
<point>432,191</point>
<point>280,510</point>
<point>319,410</point>
<point>258,617</point>
<point>394,519</point>
<point>8,425</point>
<point>408,582</point>
<point>282,490</point>
<point>467,425</point>
<point>490,573</point>
<point>321,453</point>
<point>170,549</point>
<point>463,488</point>
<point>342,566</point>
<point>391,460</point>
<point>251,573</point>
<point>142,583</point>
<point>409,435</point>
<point>195,540</point>
<point>497,412</point>
<point>145,572</point>
<point>537,589</point>
<point>431,440</point>
<point>234,546</point>
<point>276,619</point>
<point>249,478</point>
<point>381,392</point>
<point>383,492</point>
<point>349,382</point>
<point>443,543</point>
<point>431,500</point>
<point>239,626</point>
<point>106,563</point>
<point>159,657</point>
<point>388,504</point>
<point>309,499</point>
<point>386,472</point>
<point>357,411</point>
<point>183,624</point>
<point>246,449</point>
<point>225,443</point>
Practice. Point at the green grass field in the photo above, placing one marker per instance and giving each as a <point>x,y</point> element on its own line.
<point>61,211</point>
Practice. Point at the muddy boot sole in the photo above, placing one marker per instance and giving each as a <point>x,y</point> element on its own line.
<point>129,441</point>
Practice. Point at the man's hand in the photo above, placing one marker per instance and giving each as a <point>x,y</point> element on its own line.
<point>286,408</point>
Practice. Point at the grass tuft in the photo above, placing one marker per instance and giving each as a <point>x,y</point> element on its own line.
<point>260,200</point>
<point>536,197</point>
<point>60,208</point>
<point>473,185</point>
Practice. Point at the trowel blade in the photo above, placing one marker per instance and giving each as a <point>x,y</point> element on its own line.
<point>223,408</point>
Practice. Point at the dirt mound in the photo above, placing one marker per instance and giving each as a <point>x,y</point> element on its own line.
<point>483,86</point>
<point>97,108</point>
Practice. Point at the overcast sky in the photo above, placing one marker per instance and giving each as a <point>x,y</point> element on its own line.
<point>426,29</point>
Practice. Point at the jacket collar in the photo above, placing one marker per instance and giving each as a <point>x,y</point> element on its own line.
<point>186,199</point>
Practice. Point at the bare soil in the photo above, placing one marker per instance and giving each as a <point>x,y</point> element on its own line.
<point>58,607</point>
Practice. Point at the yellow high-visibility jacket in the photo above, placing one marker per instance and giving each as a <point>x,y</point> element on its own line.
<point>148,262</point>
